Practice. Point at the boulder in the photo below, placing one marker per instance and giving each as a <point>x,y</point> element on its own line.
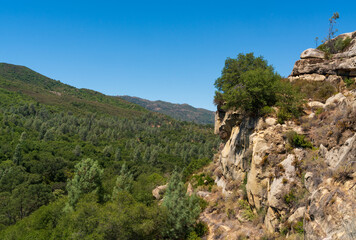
<point>271,121</point>
<point>312,53</point>
<point>315,105</point>
<point>297,215</point>
<point>158,191</point>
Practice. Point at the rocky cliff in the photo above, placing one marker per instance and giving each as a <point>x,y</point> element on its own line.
<point>306,190</point>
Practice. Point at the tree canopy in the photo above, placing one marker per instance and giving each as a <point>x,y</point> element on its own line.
<point>248,83</point>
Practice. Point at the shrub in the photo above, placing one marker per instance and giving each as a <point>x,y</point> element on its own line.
<point>297,140</point>
<point>318,91</point>
<point>349,82</point>
<point>298,227</point>
<point>247,213</point>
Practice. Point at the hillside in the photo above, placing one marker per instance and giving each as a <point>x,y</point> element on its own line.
<point>75,163</point>
<point>47,91</point>
<point>182,112</point>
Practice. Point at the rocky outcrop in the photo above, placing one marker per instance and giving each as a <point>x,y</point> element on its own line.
<point>281,181</point>
<point>316,65</point>
<point>298,190</point>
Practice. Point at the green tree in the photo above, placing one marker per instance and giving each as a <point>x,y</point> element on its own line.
<point>124,181</point>
<point>182,210</point>
<point>118,154</point>
<point>249,84</point>
<point>87,178</point>
<point>17,158</point>
<point>246,83</point>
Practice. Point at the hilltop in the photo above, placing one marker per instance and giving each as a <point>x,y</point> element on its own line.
<point>183,112</point>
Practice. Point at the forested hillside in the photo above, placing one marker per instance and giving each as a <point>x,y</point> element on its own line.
<point>182,112</point>
<point>77,164</point>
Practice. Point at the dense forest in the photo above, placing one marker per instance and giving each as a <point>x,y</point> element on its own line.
<point>77,164</point>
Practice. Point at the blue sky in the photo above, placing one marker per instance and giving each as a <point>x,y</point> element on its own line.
<point>167,50</point>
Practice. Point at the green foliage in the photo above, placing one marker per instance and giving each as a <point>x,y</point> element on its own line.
<point>87,178</point>
<point>250,84</point>
<point>331,45</point>
<point>247,212</point>
<point>202,179</point>
<point>182,210</point>
<point>47,128</point>
<point>350,83</point>
<point>298,227</point>
<point>297,140</point>
<point>290,197</point>
<point>318,91</point>
<point>342,43</point>
<point>195,165</point>
<point>124,181</point>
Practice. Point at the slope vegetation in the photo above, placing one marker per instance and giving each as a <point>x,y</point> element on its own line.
<point>111,151</point>
<point>182,112</point>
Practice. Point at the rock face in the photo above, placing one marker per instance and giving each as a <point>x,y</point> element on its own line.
<point>297,186</point>
<point>315,65</point>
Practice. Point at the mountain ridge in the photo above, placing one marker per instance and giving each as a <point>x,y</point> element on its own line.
<point>184,112</point>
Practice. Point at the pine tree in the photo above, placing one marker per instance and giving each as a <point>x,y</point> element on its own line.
<point>17,158</point>
<point>77,151</point>
<point>183,210</point>
<point>124,181</point>
<point>87,178</point>
<point>118,154</point>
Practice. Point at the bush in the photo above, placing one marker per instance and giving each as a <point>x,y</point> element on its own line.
<point>297,140</point>
<point>318,91</point>
<point>349,82</point>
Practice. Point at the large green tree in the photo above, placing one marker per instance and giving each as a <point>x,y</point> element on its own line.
<point>249,84</point>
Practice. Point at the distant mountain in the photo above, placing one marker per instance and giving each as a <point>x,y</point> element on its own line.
<point>183,112</point>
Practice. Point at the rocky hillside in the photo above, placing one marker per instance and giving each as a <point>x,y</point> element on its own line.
<point>183,112</point>
<point>295,180</point>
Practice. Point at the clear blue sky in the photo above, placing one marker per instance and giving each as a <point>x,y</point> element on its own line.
<point>168,50</point>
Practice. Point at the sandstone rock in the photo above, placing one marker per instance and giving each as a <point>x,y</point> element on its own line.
<point>190,190</point>
<point>343,154</point>
<point>279,188</point>
<point>312,53</point>
<point>203,194</point>
<point>334,79</point>
<point>331,212</point>
<point>271,220</point>
<point>308,77</point>
<point>315,105</point>
<point>271,121</point>
<point>334,100</point>
<point>158,191</point>
<point>308,182</point>
<point>234,155</point>
<point>297,215</point>
<point>313,62</point>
